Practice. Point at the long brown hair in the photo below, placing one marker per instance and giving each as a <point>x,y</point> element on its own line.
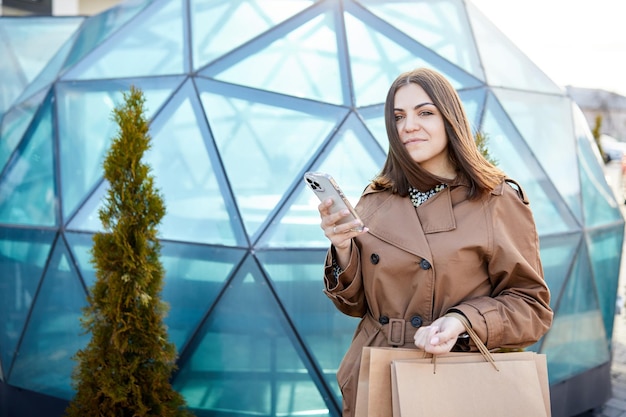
<point>401,171</point>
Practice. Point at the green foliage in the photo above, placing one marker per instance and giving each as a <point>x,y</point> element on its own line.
<point>481,140</point>
<point>596,132</point>
<point>126,367</point>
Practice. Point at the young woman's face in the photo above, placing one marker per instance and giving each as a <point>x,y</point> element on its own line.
<point>421,130</point>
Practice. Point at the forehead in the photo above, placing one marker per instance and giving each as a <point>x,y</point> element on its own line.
<point>410,95</point>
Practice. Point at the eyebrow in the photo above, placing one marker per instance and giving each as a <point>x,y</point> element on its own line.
<point>418,106</point>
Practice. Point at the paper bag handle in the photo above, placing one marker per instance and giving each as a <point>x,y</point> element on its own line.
<point>472,334</point>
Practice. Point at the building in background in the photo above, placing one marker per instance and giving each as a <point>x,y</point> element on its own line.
<point>611,107</point>
<point>243,98</point>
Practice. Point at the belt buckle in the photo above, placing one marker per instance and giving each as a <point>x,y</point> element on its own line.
<point>396,328</point>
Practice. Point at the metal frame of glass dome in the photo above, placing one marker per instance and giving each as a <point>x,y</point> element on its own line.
<point>244,97</point>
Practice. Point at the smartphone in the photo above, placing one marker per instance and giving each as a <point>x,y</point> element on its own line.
<point>325,187</point>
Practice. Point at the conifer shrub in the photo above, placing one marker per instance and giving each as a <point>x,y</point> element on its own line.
<point>125,369</point>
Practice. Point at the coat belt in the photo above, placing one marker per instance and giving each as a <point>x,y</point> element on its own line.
<point>398,331</point>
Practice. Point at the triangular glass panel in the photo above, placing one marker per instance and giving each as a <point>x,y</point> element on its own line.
<point>85,136</point>
<point>557,257</point>
<point>299,224</point>
<point>124,54</point>
<point>316,319</point>
<point>49,74</point>
<point>441,26</point>
<point>278,137</point>
<point>605,253</point>
<point>599,204</point>
<point>301,59</point>
<point>103,25</point>
<point>379,53</point>
<point>514,157</point>
<point>505,65</point>
<point>100,26</point>
<point>189,175</point>
<point>53,334</point>
<point>81,244</point>
<point>23,56</point>
<point>545,123</point>
<point>23,257</point>
<point>577,339</point>
<point>27,185</point>
<point>211,37</point>
<point>194,276</point>
<point>246,358</point>
<point>14,125</point>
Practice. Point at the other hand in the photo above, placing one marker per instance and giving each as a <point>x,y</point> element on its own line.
<point>440,336</point>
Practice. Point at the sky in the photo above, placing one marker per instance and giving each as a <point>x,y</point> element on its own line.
<point>574,42</point>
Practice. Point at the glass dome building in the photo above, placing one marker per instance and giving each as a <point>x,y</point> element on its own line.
<point>244,96</point>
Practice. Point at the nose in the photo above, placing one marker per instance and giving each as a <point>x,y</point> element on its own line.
<point>411,123</point>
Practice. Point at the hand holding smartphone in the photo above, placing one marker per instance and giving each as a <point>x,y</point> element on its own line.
<point>325,187</point>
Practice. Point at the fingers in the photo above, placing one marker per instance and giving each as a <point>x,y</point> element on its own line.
<point>433,339</point>
<point>340,235</point>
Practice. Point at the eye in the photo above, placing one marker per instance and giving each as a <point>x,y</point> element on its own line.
<point>398,117</point>
<point>426,113</point>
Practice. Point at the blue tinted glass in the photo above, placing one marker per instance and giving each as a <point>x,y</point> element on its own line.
<point>14,125</point>
<point>263,148</point>
<point>301,63</point>
<point>577,340</point>
<point>184,165</point>
<point>441,26</point>
<point>23,256</point>
<point>557,256</point>
<point>128,56</point>
<point>245,360</point>
<point>599,203</point>
<point>80,244</point>
<point>194,276</point>
<point>100,26</point>
<point>374,118</point>
<point>23,52</point>
<point>378,55</point>
<point>605,251</point>
<point>27,187</point>
<point>86,128</point>
<point>295,273</point>
<point>545,123</point>
<point>53,334</point>
<point>87,219</point>
<point>212,38</point>
<point>513,156</point>
<point>352,158</point>
<point>473,103</point>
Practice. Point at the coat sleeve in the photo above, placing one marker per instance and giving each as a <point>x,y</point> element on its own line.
<point>518,313</point>
<point>346,292</point>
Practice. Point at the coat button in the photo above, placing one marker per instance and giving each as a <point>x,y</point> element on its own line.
<point>416,321</point>
<point>425,264</point>
<point>383,319</point>
<point>374,258</point>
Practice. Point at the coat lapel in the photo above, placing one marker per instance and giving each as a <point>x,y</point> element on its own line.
<point>436,214</point>
<point>392,218</point>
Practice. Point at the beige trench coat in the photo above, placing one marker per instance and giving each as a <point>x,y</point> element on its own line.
<point>480,257</point>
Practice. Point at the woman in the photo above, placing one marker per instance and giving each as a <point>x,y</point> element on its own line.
<point>446,233</point>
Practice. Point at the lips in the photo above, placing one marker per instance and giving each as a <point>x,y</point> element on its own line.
<point>414,140</point>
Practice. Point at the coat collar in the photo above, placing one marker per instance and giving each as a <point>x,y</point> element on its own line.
<point>394,219</point>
